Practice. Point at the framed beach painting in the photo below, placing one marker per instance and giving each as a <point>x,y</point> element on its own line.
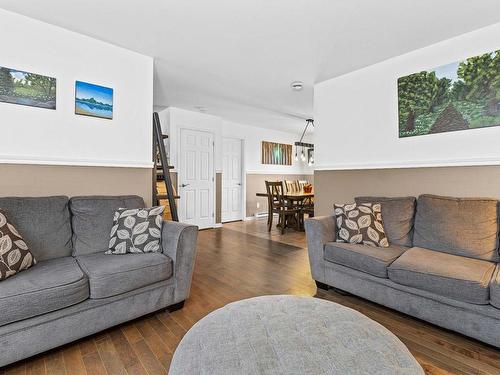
<point>24,88</point>
<point>458,96</point>
<point>93,100</point>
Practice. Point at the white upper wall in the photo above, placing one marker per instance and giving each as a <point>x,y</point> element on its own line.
<point>174,119</point>
<point>253,137</point>
<point>356,115</point>
<point>35,135</point>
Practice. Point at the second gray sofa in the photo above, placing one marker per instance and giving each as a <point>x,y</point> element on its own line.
<point>75,290</point>
<point>441,266</point>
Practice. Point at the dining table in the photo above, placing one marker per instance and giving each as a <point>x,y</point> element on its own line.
<point>297,198</point>
<point>293,196</point>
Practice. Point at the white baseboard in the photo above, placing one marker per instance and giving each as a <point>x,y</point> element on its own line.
<point>261,215</point>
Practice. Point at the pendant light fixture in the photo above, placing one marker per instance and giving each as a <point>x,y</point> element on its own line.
<point>308,146</point>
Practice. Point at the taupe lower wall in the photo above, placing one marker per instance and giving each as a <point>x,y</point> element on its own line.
<point>43,180</point>
<point>342,186</point>
<point>256,184</point>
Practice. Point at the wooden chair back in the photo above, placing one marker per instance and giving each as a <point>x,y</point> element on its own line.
<point>292,186</point>
<point>302,183</point>
<point>275,191</point>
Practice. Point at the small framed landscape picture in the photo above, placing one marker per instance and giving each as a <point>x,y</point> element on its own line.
<point>93,100</point>
<point>24,88</point>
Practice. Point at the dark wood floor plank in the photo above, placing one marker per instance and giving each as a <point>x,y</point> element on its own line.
<point>36,366</point>
<point>243,260</point>
<point>148,359</point>
<point>87,346</point>
<point>131,333</point>
<point>126,354</point>
<point>164,333</point>
<point>54,363</point>
<point>110,358</point>
<point>93,364</point>
<point>160,349</point>
<point>73,361</point>
<point>16,369</point>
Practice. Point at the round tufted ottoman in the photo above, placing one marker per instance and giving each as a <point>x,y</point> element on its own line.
<point>290,335</point>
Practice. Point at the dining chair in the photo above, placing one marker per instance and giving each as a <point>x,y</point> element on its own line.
<point>279,205</point>
<point>301,184</point>
<point>292,186</point>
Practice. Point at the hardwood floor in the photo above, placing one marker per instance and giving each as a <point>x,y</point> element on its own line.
<point>238,261</point>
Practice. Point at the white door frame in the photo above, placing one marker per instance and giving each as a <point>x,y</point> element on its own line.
<point>243,199</point>
<point>179,155</point>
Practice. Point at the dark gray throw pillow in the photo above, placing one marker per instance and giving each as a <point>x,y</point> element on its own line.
<point>136,230</point>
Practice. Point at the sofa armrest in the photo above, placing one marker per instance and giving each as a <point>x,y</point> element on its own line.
<point>179,243</point>
<point>319,230</point>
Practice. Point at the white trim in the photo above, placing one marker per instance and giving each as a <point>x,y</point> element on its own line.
<point>309,173</point>
<point>218,225</point>
<point>259,215</point>
<point>413,164</point>
<point>243,179</point>
<point>77,162</point>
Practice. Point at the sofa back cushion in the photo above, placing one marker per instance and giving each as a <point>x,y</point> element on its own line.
<point>43,222</point>
<point>459,226</point>
<point>397,214</point>
<point>92,220</point>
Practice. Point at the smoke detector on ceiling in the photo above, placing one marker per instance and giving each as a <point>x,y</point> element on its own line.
<point>297,85</point>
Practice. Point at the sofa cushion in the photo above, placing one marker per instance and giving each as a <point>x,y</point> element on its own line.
<point>50,285</point>
<point>397,214</point>
<point>459,226</point>
<point>92,219</point>
<point>364,258</point>
<point>495,288</point>
<point>43,223</point>
<point>110,275</point>
<point>456,277</point>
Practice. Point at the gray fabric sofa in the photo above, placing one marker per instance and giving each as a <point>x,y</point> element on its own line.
<point>441,265</point>
<point>75,290</point>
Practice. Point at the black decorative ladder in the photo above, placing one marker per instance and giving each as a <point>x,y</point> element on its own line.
<point>161,169</point>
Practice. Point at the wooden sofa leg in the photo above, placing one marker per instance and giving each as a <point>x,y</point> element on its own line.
<point>175,307</point>
<point>321,285</point>
<point>341,292</point>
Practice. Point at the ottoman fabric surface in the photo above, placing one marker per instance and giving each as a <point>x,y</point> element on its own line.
<point>290,335</point>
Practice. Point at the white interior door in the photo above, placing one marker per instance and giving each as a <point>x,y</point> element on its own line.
<point>232,182</point>
<point>196,182</point>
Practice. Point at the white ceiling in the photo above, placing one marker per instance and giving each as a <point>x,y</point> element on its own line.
<point>238,57</point>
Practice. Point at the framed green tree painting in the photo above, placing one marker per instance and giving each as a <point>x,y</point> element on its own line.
<point>458,96</point>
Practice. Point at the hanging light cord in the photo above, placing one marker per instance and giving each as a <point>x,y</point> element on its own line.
<point>309,122</point>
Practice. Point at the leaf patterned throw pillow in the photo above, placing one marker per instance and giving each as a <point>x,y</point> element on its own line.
<point>136,230</point>
<point>360,224</point>
<point>15,255</point>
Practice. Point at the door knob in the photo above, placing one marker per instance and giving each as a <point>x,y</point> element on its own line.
<point>184,185</point>
<point>238,184</point>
